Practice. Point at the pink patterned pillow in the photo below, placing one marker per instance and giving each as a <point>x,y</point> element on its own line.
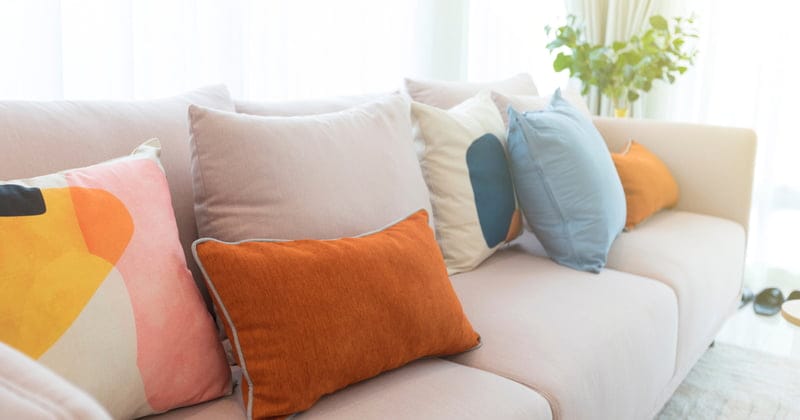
<point>95,287</point>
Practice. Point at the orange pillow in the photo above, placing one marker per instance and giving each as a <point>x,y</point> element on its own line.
<point>310,317</point>
<point>648,184</point>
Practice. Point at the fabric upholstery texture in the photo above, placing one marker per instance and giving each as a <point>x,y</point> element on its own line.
<point>526,103</point>
<point>648,184</point>
<point>568,188</point>
<point>44,137</point>
<point>424,389</point>
<point>30,391</point>
<point>434,389</point>
<point>446,94</point>
<point>596,346</point>
<point>96,276</point>
<point>310,317</point>
<point>701,258</point>
<point>304,107</point>
<point>321,177</point>
<point>227,408</point>
<point>465,166</point>
<point>713,166</point>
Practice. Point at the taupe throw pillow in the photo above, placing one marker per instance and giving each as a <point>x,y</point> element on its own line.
<point>320,176</point>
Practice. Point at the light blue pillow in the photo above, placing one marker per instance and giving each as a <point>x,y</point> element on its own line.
<point>566,182</point>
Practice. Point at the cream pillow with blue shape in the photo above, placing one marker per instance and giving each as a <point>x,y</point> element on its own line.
<point>568,187</point>
<point>465,166</point>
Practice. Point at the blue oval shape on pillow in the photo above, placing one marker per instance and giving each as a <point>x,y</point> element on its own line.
<point>493,188</point>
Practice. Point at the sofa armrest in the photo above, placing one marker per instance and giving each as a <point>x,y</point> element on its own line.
<point>712,165</point>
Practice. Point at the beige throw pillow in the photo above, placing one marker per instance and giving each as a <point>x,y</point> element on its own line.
<point>525,103</point>
<point>465,166</point>
<point>319,177</point>
<point>445,94</point>
<point>304,106</point>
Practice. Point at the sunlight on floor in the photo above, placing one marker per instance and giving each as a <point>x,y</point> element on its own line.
<point>771,334</point>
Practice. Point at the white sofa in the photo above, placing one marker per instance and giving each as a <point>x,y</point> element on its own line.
<point>557,343</point>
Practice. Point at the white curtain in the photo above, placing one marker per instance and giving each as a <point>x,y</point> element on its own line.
<point>126,49</point>
<point>507,37</point>
<point>746,75</point>
<point>607,21</point>
<point>265,49</point>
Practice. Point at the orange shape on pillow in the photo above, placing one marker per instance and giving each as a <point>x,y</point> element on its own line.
<point>104,220</point>
<point>310,317</point>
<point>648,184</point>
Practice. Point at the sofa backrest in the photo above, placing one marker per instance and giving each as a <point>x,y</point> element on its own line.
<point>37,138</point>
<point>304,107</point>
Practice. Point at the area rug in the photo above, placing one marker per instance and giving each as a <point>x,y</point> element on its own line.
<point>731,382</point>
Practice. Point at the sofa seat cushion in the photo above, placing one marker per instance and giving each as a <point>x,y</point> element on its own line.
<point>596,345</point>
<point>425,389</point>
<point>700,257</point>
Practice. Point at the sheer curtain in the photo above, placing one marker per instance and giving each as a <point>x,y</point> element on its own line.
<point>126,49</point>
<point>746,76</point>
<point>507,37</point>
<point>265,49</point>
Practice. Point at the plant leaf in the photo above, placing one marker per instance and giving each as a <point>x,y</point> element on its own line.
<point>556,43</point>
<point>659,22</point>
<point>625,68</point>
<point>562,62</point>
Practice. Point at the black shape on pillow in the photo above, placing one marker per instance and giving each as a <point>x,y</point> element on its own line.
<point>16,200</point>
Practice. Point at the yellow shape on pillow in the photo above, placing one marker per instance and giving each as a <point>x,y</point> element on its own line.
<point>48,272</point>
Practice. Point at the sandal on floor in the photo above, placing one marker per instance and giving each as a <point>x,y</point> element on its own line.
<point>768,302</point>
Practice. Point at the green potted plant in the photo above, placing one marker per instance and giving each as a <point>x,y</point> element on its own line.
<point>623,70</point>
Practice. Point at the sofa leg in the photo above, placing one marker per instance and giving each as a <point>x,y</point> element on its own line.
<point>712,344</point>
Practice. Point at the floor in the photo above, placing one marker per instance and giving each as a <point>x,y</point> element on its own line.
<point>771,334</point>
<point>761,386</point>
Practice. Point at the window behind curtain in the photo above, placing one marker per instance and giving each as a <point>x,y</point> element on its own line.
<point>276,49</point>
<point>746,75</point>
<point>507,36</point>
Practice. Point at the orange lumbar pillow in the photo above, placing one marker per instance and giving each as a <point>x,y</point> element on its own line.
<point>648,184</point>
<point>310,317</point>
